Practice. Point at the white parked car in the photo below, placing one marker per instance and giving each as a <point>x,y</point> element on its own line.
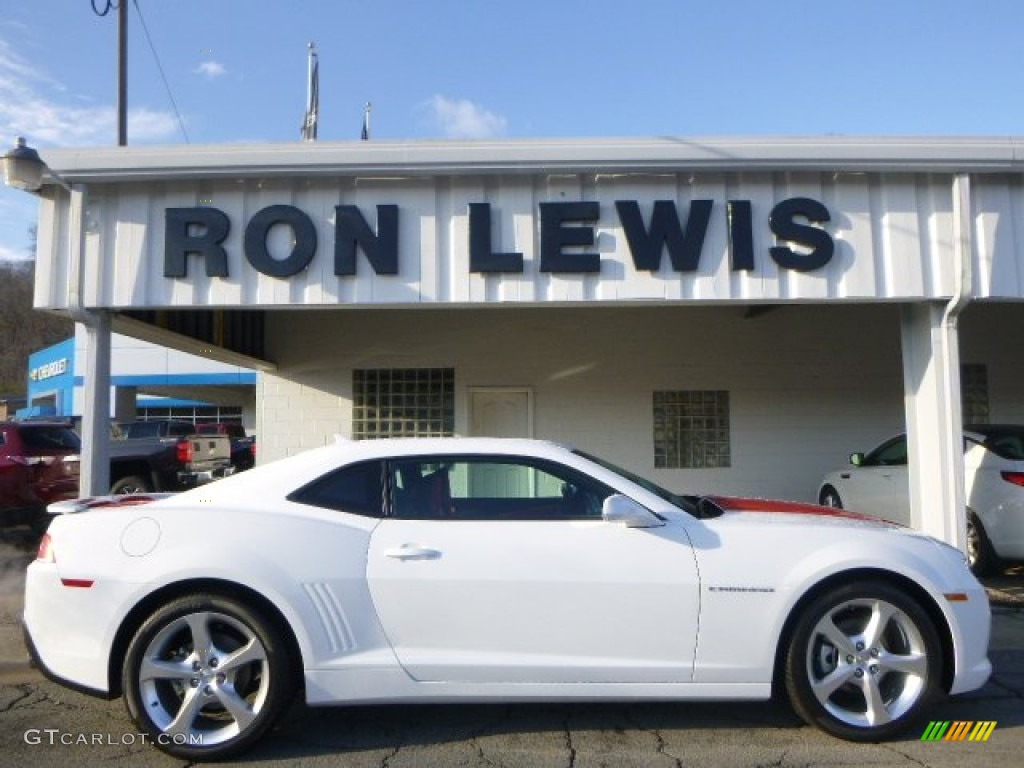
<point>489,570</point>
<point>878,483</point>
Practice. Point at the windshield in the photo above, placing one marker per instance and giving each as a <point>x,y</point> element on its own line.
<point>686,503</point>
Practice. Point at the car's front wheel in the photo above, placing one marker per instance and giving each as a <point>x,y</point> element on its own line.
<point>205,676</point>
<point>829,497</point>
<point>864,661</point>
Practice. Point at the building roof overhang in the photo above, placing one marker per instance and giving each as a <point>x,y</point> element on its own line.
<point>402,159</point>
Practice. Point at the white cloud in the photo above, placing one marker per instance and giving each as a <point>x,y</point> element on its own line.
<point>37,107</point>
<point>462,119</point>
<point>210,69</point>
<point>13,254</point>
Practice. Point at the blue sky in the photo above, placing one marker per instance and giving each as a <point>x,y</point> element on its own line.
<point>520,69</point>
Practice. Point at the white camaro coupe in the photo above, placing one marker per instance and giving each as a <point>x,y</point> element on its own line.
<point>489,570</point>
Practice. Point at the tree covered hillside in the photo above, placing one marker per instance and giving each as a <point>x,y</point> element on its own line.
<point>23,330</point>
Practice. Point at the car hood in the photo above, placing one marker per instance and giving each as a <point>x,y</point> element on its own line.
<point>714,506</point>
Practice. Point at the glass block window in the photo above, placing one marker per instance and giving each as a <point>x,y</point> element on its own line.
<point>974,393</point>
<point>691,429</point>
<point>403,402</point>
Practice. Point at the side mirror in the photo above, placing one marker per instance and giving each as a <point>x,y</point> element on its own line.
<point>622,509</point>
<point>856,459</point>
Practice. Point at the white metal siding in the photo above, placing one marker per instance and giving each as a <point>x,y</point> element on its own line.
<point>893,236</point>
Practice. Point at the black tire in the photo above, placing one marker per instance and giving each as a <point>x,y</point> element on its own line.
<point>130,484</point>
<point>829,497</point>
<point>981,557</point>
<point>835,665</point>
<point>223,699</point>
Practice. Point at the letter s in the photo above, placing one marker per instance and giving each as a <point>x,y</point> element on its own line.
<point>818,240</point>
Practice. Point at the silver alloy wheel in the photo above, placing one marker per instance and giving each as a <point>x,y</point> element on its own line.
<point>867,662</point>
<point>204,678</point>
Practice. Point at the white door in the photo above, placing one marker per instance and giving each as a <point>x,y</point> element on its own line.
<point>505,412</point>
<point>533,588</point>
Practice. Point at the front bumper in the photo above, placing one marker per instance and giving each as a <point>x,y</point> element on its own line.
<point>971,626</point>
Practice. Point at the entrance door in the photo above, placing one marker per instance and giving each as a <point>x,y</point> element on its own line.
<point>504,412</point>
<point>501,412</point>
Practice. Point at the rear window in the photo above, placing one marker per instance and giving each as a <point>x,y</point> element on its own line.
<point>49,438</point>
<point>1006,444</point>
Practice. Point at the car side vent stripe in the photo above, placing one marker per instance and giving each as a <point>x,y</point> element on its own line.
<point>332,616</point>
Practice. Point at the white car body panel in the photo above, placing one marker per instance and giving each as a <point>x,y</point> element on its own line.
<point>506,610</point>
<point>554,602</point>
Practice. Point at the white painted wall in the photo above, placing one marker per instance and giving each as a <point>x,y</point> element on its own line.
<point>808,385</point>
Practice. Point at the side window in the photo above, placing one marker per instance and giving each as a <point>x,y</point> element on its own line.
<point>356,489</point>
<point>492,488</point>
<point>889,454</point>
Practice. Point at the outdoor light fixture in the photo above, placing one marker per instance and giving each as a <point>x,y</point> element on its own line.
<point>24,168</point>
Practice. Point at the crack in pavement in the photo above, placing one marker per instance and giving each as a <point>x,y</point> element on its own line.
<point>568,743</point>
<point>26,691</point>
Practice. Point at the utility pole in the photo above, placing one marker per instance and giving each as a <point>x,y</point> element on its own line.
<point>122,73</point>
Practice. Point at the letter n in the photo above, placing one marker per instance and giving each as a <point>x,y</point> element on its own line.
<point>351,231</point>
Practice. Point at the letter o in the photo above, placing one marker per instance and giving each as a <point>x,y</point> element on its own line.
<point>259,227</point>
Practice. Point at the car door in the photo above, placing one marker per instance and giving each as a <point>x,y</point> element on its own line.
<point>498,569</point>
<point>880,485</point>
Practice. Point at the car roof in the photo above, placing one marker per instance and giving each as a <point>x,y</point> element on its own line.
<point>303,467</point>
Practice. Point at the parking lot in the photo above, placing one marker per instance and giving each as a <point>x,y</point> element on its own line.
<point>43,724</point>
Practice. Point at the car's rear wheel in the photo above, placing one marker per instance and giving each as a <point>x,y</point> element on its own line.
<point>130,484</point>
<point>205,676</point>
<point>980,556</point>
<point>864,661</point>
<point>829,497</point>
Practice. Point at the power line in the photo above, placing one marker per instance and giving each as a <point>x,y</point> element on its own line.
<point>159,66</point>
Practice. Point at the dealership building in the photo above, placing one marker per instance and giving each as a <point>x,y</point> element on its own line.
<point>147,381</point>
<point>722,315</point>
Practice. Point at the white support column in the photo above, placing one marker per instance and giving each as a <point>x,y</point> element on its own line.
<point>95,478</point>
<point>931,386</point>
<point>95,465</point>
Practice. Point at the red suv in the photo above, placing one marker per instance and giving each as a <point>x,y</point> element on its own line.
<point>39,463</point>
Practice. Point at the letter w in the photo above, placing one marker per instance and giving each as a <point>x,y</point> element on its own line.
<point>666,231</point>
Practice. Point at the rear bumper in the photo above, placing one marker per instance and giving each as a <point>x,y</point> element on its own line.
<point>69,628</point>
<point>49,674</point>
<point>202,476</point>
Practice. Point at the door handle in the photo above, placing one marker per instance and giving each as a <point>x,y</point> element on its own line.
<point>412,552</point>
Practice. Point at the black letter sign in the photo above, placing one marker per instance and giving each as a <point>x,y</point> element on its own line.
<point>351,230</point>
<point>818,240</point>
<point>684,247</point>
<point>481,258</point>
<point>741,234</point>
<point>256,241</point>
<point>179,242</point>
<point>554,237</point>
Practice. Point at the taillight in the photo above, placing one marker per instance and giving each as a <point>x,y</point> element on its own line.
<point>1017,478</point>
<point>45,552</point>
<point>185,451</point>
